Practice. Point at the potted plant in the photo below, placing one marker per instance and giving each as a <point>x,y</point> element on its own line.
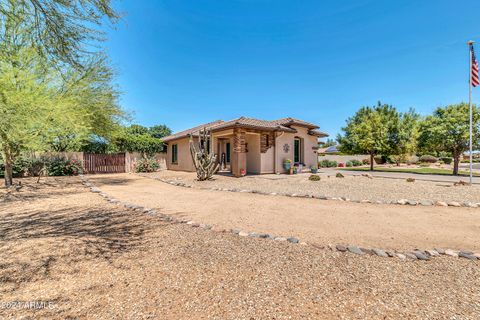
<point>287,164</point>
<point>313,169</point>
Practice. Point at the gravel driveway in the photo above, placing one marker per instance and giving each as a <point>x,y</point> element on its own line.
<point>93,260</point>
<point>352,187</point>
<point>312,220</point>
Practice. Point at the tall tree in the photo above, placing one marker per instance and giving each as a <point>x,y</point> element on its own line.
<point>408,125</point>
<point>372,130</point>
<point>38,101</point>
<point>447,129</point>
<point>64,30</point>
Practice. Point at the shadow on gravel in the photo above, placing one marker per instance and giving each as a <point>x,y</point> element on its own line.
<point>32,243</point>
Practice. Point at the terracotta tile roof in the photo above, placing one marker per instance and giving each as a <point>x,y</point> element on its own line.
<point>194,130</point>
<point>253,123</point>
<point>243,122</point>
<point>318,133</point>
<point>291,121</point>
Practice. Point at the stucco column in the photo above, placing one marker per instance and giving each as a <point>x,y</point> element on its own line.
<point>239,156</point>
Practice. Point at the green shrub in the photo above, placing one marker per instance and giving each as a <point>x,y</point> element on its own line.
<point>356,162</point>
<point>366,161</point>
<point>327,164</point>
<point>60,166</point>
<point>339,175</point>
<point>428,158</point>
<point>147,165</point>
<point>348,164</point>
<point>25,166</point>
<point>410,180</point>
<point>314,177</point>
<point>446,160</point>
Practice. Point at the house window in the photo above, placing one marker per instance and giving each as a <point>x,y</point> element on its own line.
<point>227,151</point>
<point>174,153</point>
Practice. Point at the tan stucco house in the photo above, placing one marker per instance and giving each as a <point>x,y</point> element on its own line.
<point>251,146</point>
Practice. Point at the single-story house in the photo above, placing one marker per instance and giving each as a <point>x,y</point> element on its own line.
<point>251,146</point>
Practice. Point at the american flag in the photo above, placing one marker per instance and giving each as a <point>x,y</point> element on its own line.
<point>474,71</point>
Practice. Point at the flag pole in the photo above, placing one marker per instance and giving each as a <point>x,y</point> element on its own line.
<point>470,45</point>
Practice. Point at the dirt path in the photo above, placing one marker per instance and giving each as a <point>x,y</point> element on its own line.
<point>324,222</point>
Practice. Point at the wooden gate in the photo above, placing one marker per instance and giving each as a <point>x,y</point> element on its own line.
<point>104,163</point>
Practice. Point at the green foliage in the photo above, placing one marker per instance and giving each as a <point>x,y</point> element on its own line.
<point>147,165</point>
<point>410,180</point>
<point>136,138</point>
<point>314,177</point>
<point>60,166</point>
<point>41,102</point>
<point>160,131</point>
<point>380,130</point>
<point>339,175</point>
<point>348,164</point>
<point>327,164</point>
<point>63,30</point>
<point>447,130</point>
<point>372,130</point>
<point>428,159</point>
<point>356,162</point>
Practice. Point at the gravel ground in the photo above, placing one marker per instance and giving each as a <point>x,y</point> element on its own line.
<point>314,221</point>
<point>352,187</point>
<point>93,260</point>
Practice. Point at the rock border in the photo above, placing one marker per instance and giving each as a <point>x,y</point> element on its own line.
<point>416,254</point>
<point>404,202</point>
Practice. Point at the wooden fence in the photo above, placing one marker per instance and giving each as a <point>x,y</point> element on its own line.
<point>104,163</point>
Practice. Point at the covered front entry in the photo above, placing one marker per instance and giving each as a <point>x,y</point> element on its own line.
<point>242,151</point>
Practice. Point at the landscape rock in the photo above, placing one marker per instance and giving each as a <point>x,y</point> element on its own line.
<point>454,204</point>
<point>390,253</point>
<point>441,204</point>
<point>411,255</point>
<point>467,255</point>
<point>292,240</point>
<point>341,248</point>
<point>450,252</point>
<point>355,250</point>
<point>432,252</point>
<point>412,202</point>
<point>280,239</point>
<point>420,255</point>
<point>243,234</point>
<point>401,256</point>
<point>426,203</point>
<point>440,250</point>
<point>402,201</point>
<point>380,253</point>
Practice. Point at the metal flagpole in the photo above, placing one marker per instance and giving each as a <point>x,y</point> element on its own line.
<point>470,46</point>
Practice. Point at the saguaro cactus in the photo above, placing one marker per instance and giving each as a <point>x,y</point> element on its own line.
<point>204,159</point>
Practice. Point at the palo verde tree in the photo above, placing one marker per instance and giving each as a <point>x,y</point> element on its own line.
<point>372,130</point>
<point>39,100</point>
<point>64,31</point>
<point>447,129</point>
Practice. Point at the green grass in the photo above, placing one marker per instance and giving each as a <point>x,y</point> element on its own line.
<point>413,170</point>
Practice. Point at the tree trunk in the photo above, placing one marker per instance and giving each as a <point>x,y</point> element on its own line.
<point>8,168</point>
<point>371,161</point>
<point>456,161</point>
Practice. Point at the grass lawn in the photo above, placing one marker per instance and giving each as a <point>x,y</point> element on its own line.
<point>412,170</point>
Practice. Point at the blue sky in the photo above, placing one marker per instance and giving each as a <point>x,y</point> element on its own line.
<point>186,62</point>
